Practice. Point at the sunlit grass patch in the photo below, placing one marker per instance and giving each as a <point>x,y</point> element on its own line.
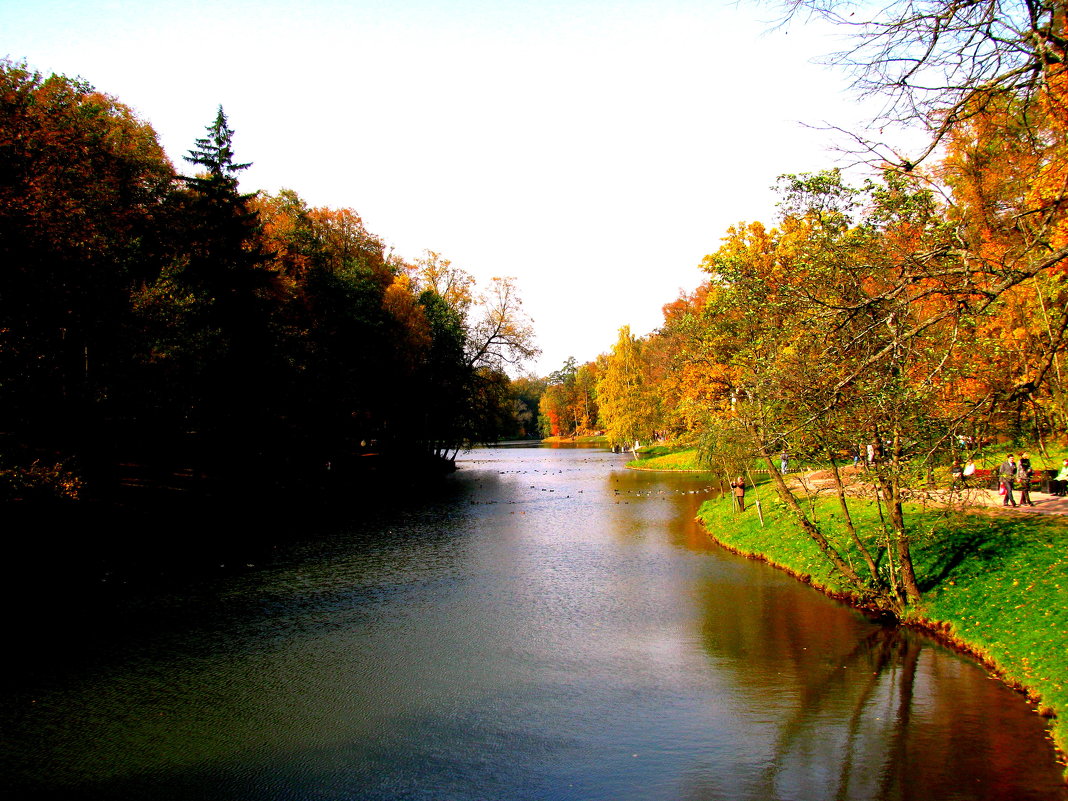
<point>662,457</point>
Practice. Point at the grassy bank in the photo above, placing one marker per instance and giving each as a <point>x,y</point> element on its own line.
<point>597,438</point>
<point>661,457</point>
<point>994,585</point>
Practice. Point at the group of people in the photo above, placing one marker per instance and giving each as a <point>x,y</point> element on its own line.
<point>1011,471</point>
<point>871,454</point>
<point>1013,474</point>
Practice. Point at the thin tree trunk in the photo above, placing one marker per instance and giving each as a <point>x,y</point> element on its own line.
<point>809,528</point>
<point>902,546</point>
<point>850,527</point>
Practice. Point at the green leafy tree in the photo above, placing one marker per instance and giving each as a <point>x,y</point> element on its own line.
<point>527,392</point>
<point>865,334</point>
<point>227,375</point>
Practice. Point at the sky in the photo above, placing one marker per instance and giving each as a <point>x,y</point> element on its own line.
<point>593,150</point>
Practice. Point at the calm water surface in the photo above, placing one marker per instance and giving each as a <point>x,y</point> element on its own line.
<point>547,626</point>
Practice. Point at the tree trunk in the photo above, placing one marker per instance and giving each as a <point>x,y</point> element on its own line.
<point>825,547</point>
<point>840,487</point>
<point>892,489</point>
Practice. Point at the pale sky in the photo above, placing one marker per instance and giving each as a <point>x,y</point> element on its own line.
<point>594,150</point>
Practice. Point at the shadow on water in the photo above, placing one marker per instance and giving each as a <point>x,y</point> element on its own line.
<point>78,577</point>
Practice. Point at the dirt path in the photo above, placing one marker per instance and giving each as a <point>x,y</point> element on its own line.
<point>821,482</point>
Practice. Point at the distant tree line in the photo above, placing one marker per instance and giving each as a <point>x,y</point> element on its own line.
<point>168,325</point>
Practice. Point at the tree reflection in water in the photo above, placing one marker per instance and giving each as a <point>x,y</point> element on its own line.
<point>870,725</point>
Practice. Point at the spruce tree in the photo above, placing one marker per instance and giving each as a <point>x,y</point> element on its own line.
<point>215,154</point>
<point>227,267</point>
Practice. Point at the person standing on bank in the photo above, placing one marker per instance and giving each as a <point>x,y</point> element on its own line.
<point>739,492</point>
<point>1023,475</point>
<point>1006,472</point>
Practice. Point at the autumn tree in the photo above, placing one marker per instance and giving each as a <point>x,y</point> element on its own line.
<point>629,408</point>
<point>585,400</point>
<point>82,182</point>
<point>556,408</point>
<point>867,329</point>
<point>690,381</point>
<point>495,334</point>
<point>986,81</point>
<point>939,63</point>
<point>455,286</point>
<point>177,324</point>
<point>500,334</point>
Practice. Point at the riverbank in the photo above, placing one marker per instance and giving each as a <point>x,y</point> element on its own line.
<point>154,525</point>
<point>995,585</point>
<point>592,438</point>
<point>667,459</point>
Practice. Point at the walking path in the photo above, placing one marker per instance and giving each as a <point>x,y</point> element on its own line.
<point>822,481</point>
<point>1043,503</point>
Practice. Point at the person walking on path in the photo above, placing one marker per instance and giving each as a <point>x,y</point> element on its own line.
<point>1023,475</point>
<point>1006,473</point>
<point>739,492</point>
<point>784,462</point>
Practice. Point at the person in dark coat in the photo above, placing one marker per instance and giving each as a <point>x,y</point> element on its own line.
<point>1006,473</point>
<point>738,485</point>
<point>1023,475</point>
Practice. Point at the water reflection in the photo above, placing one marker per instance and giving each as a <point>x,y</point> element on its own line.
<point>852,710</point>
<point>551,627</point>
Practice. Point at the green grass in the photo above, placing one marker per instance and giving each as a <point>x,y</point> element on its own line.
<point>997,585</point>
<point>663,457</point>
<point>588,438</point>
<point>667,457</point>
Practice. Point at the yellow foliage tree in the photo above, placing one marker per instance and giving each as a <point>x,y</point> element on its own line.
<point>629,405</point>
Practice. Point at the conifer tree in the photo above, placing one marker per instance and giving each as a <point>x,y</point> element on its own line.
<point>223,261</point>
<point>215,153</point>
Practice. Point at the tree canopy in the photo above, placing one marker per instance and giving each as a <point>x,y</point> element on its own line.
<point>916,314</point>
<point>179,324</point>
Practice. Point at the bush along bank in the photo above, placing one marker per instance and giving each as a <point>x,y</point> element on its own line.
<point>994,586</point>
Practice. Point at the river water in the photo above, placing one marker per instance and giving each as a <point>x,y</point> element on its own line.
<point>546,625</point>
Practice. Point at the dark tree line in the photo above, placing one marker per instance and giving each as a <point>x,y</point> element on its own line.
<point>159,328</point>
